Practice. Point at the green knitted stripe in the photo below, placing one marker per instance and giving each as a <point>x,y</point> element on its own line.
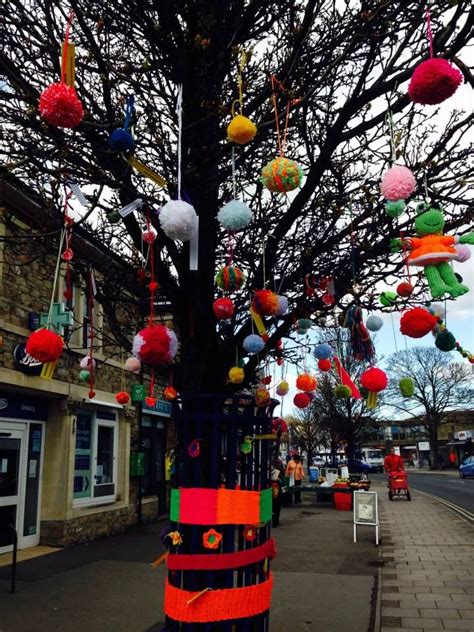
<point>175,502</point>
<point>266,505</point>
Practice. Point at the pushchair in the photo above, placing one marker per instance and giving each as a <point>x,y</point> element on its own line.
<point>398,485</point>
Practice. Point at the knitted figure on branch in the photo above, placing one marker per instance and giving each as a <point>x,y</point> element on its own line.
<point>433,250</point>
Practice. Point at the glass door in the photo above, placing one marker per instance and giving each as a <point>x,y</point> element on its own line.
<point>10,485</point>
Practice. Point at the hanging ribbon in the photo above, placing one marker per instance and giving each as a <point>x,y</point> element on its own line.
<point>429,32</point>
<point>68,56</point>
<point>179,112</point>
<point>129,111</point>
<point>240,99</point>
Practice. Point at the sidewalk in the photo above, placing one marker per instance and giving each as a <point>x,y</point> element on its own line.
<point>427,581</point>
<point>323,581</point>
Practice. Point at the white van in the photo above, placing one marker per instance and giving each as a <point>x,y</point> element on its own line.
<point>373,456</point>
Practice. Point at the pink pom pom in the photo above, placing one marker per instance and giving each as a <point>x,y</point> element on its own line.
<point>133,365</point>
<point>398,183</point>
<point>434,81</point>
<point>60,106</point>
<point>464,253</point>
<point>87,363</point>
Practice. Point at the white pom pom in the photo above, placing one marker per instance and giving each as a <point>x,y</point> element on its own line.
<point>87,363</point>
<point>235,215</point>
<point>178,220</point>
<point>138,342</point>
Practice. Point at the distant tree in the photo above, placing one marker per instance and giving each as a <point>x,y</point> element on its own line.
<point>440,385</point>
<point>305,432</point>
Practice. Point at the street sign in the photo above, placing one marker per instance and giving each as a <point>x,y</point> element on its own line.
<point>366,512</point>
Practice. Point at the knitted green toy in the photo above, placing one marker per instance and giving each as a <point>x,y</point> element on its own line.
<point>432,250</point>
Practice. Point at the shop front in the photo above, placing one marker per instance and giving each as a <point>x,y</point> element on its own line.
<point>22,432</point>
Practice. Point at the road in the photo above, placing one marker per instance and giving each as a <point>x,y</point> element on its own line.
<point>449,487</point>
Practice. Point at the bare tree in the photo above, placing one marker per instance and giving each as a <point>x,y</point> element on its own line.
<point>338,64</point>
<point>304,432</point>
<point>440,385</point>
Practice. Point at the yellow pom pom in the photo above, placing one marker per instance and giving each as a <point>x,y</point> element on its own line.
<point>241,130</point>
<point>236,375</point>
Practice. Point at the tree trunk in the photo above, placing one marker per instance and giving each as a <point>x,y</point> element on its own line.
<point>434,447</point>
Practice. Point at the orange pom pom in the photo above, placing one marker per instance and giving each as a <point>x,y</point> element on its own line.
<point>265,302</point>
<point>306,382</point>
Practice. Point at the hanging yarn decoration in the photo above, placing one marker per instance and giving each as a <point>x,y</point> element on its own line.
<point>374,323</point>
<point>265,302</point>
<point>223,308</point>
<point>87,362</point>
<point>149,237</point>
<point>405,289</point>
<point>59,104</point>
<point>342,391</point>
<point>150,401</point>
<point>306,382</point>
<point>406,386</point>
<point>282,305</point>
<point>155,344</point>
<point>323,351</point>
<point>178,220</point>
<point>122,397</point>
<point>417,322</point>
<point>463,253</point>
<point>445,341</point>
<point>133,365</point>
<point>241,129</point>
<point>247,445</point>
<point>301,400</point>
<point>236,375</point>
<point>262,397</point>
<point>282,388</point>
<point>44,345</point>
<point>230,278</point>
<point>170,394</point>
<point>303,325</point>
<point>121,139</point>
<point>235,215</point>
<point>194,449</point>
<point>279,426</point>
<point>397,184</point>
<point>253,343</point>
<point>324,365</point>
<point>281,175</point>
<point>435,79</point>
<point>84,375</point>
<point>373,380</point>
<point>388,298</point>
<point>361,343</point>
<point>432,250</point>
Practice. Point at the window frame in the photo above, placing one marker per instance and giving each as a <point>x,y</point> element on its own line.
<point>97,421</point>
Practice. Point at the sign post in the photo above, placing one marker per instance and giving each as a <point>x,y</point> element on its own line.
<point>366,512</point>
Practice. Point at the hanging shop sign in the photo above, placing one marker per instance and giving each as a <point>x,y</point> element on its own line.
<point>25,363</point>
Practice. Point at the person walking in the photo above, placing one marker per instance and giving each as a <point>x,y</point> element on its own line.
<point>452,459</point>
<point>276,493</point>
<point>295,471</point>
<point>393,462</point>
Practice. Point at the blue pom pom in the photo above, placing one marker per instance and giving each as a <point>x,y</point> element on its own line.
<point>235,215</point>
<point>253,343</point>
<point>323,351</point>
<point>282,305</point>
<point>121,140</point>
<point>374,323</point>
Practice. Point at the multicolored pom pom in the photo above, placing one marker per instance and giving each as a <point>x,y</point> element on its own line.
<point>282,388</point>
<point>281,175</point>
<point>156,344</point>
<point>230,278</point>
<point>265,302</point>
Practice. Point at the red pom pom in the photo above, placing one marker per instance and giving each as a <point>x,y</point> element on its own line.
<point>170,394</point>
<point>374,380</point>
<point>306,382</point>
<point>265,302</point>
<point>266,379</point>
<point>156,344</point>
<point>434,81</point>
<point>149,236</point>
<point>223,308</point>
<point>122,398</point>
<point>68,294</point>
<point>301,400</point>
<point>60,106</point>
<point>44,345</point>
<point>279,424</point>
<point>404,289</point>
<point>324,365</point>
<point>150,401</point>
<point>417,322</point>
<point>153,286</point>
<point>280,361</point>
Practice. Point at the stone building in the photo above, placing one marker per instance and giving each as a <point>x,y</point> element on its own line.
<point>65,458</point>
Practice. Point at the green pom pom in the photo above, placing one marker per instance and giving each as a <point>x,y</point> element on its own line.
<point>114,217</point>
<point>84,375</point>
<point>445,341</point>
<point>342,391</point>
<point>395,209</point>
<point>388,298</point>
<point>406,386</point>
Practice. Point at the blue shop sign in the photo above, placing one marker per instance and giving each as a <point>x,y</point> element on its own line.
<point>160,408</point>
<point>23,407</point>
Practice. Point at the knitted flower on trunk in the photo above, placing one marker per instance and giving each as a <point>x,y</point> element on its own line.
<point>211,539</point>
<point>250,533</point>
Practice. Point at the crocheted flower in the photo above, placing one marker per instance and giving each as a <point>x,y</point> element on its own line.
<point>211,539</point>
<point>176,538</point>
<point>250,532</point>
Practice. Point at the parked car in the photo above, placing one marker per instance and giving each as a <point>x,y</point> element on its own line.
<point>361,467</point>
<point>467,467</point>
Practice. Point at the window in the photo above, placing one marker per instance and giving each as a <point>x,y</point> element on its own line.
<point>153,445</point>
<point>95,470</point>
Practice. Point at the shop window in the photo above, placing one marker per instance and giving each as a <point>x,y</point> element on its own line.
<point>95,470</point>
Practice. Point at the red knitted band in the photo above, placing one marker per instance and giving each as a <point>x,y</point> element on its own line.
<point>221,561</point>
<point>217,605</point>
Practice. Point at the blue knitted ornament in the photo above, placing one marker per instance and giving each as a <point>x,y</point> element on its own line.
<point>323,351</point>
<point>121,140</point>
<point>374,323</point>
<point>253,343</point>
<point>235,215</point>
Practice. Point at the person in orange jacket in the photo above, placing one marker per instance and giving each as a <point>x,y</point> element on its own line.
<point>295,471</point>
